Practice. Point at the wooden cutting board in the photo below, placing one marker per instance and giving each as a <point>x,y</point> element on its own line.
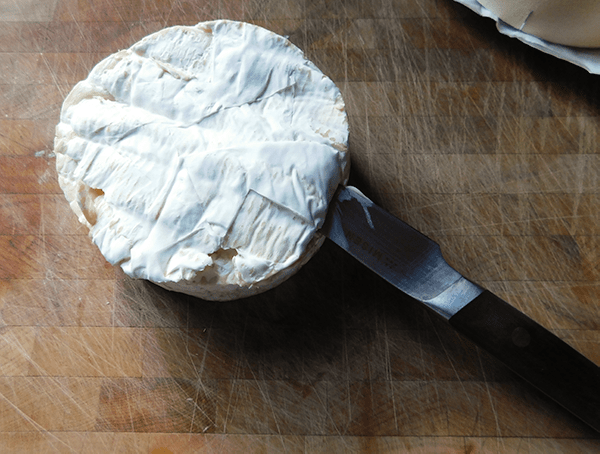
<point>484,144</point>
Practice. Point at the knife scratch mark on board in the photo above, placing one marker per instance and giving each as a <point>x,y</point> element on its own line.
<point>493,407</point>
<point>117,10</point>
<point>22,145</point>
<point>170,12</point>
<point>389,375</point>
<point>53,75</point>
<point>39,427</point>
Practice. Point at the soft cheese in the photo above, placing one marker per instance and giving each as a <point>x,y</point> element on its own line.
<point>204,158</point>
<point>572,23</point>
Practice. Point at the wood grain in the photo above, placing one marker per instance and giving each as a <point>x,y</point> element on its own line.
<point>484,144</point>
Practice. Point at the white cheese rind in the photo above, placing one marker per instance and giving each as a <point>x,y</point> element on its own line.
<point>204,158</point>
<point>567,22</point>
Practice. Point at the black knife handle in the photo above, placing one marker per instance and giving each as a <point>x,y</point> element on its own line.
<point>534,353</point>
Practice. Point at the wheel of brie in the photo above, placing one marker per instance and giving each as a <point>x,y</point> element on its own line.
<point>567,22</point>
<point>204,158</point>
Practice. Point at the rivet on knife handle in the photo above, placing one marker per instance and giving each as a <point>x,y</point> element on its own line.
<point>414,263</point>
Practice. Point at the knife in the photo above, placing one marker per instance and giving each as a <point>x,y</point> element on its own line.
<point>414,264</point>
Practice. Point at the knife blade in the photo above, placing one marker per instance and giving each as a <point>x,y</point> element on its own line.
<point>414,264</point>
